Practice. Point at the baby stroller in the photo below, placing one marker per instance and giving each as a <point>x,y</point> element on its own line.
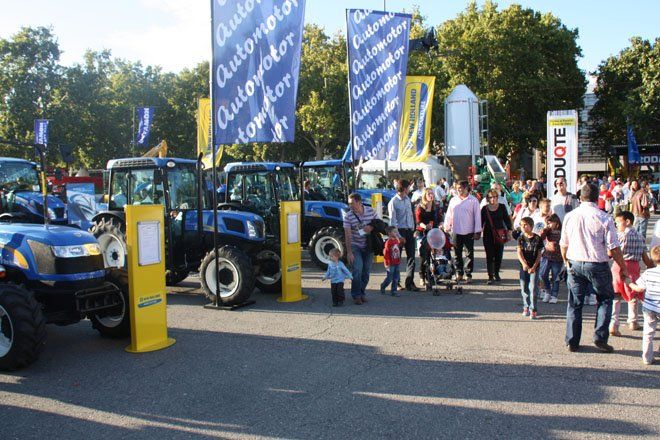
<point>437,264</point>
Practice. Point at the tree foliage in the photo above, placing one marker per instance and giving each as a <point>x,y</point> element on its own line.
<point>523,62</point>
<point>628,91</point>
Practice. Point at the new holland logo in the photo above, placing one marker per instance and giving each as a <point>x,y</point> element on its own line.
<point>146,301</point>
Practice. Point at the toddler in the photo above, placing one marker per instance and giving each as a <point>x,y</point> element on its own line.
<point>337,273</point>
<point>392,257</point>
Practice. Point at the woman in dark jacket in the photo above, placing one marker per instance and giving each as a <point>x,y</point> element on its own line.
<point>427,216</point>
<point>494,216</point>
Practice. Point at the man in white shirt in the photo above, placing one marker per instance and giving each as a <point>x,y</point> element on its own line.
<point>440,193</point>
<point>562,202</point>
<point>417,194</point>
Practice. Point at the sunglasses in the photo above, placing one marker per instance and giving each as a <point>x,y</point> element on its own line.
<point>493,197</point>
<point>533,200</point>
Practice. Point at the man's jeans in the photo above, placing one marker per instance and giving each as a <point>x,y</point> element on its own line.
<point>528,289</point>
<point>392,276</point>
<point>410,246</point>
<point>640,225</point>
<point>581,276</point>
<point>467,241</point>
<point>550,267</point>
<point>363,258</point>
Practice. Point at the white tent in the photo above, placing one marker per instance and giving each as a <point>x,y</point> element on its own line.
<point>432,169</point>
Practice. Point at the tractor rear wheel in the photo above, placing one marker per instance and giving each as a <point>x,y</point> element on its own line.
<point>22,327</point>
<point>322,242</point>
<point>117,325</point>
<point>111,235</point>
<point>235,276</point>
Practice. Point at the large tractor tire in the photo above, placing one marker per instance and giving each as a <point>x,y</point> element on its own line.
<point>322,242</point>
<point>235,276</point>
<point>111,235</point>
<point>22,328</point>
<point>117,325</point>
<point>269,277</point>
<point>174,277</point>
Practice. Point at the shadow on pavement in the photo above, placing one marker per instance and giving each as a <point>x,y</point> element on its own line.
<point>221,384</point>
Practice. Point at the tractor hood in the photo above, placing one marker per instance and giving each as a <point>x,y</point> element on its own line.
<point>325,209</point>
<point>34,199</point>
<point>366,194</point>
<point>16,234</point>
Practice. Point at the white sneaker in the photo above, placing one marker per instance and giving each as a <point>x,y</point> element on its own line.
<point>592,300</point>
<point>553,300</point>
<point>546,297</point>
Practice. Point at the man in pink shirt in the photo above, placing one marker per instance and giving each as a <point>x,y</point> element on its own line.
<point>463,222</point>
<point>588,240</point>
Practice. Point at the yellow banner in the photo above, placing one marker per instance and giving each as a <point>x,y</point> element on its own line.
<point>204,133</point>
<point>415,132</point>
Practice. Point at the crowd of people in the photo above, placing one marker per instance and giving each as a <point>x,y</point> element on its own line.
<point>593,240</point>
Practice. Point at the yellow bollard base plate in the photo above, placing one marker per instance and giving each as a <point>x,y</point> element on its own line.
<point>166,343</point>
<point>281,299</point>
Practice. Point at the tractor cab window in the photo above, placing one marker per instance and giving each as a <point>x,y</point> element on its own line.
<point>136,187</point>
<point>251,189</point>
<point>183,188</point>
<point>326,183</point>
<point>285,184</point>
<point>16,176</point>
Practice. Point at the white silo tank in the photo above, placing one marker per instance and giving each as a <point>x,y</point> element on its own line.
<point>462,140</point>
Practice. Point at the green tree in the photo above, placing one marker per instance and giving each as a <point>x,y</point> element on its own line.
<point>628,90</point>
<point>523,62</point>
<point>29,73</point>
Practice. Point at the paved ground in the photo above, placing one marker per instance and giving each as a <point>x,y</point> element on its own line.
<point>417,366</point>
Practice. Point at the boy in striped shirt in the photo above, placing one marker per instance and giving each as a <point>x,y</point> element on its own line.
<point>649,284</point>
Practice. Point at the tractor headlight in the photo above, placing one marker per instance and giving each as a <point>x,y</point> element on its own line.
<point>51,214</point>
<point>82,250</point>
<point>252,229</point>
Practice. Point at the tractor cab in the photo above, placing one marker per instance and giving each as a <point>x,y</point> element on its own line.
<point>329,180</point>
<point>21,197</point>
<point>258,188</point>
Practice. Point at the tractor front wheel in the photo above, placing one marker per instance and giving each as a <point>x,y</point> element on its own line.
<point>115,325</point>
<point>22,327</point>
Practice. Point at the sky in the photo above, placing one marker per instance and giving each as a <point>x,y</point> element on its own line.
<point>175,34</point>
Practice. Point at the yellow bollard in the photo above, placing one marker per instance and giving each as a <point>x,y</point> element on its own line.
<point>377,205</point>
<point>290,235</point>
<point>145,242</point>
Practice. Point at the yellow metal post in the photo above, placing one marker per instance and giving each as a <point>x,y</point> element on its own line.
<point>290,236</point>
<point>377,205</point>
<point>145,242</point>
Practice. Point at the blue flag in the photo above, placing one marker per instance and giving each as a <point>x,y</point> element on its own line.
<point>347,154</point>
<point>633,151</point>
<point>377,61</point>
<point>41,131</point>
<point>145,116</point>
<point>256,61</point>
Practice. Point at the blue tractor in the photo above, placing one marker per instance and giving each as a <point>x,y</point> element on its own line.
<point>259,187</point>
<point>179,185</point>
<point>21,198</point>
<point>54,274</point>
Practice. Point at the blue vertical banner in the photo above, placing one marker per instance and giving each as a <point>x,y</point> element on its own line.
<point>145,116</point>
<point>634,157</point>
<point>377,60</point>
<point>41,131</point>
<point>254,74</point>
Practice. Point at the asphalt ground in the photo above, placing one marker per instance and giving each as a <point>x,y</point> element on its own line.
<point>415,366</point>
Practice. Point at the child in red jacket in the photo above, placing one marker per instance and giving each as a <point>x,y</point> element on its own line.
<point>392,256</point>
